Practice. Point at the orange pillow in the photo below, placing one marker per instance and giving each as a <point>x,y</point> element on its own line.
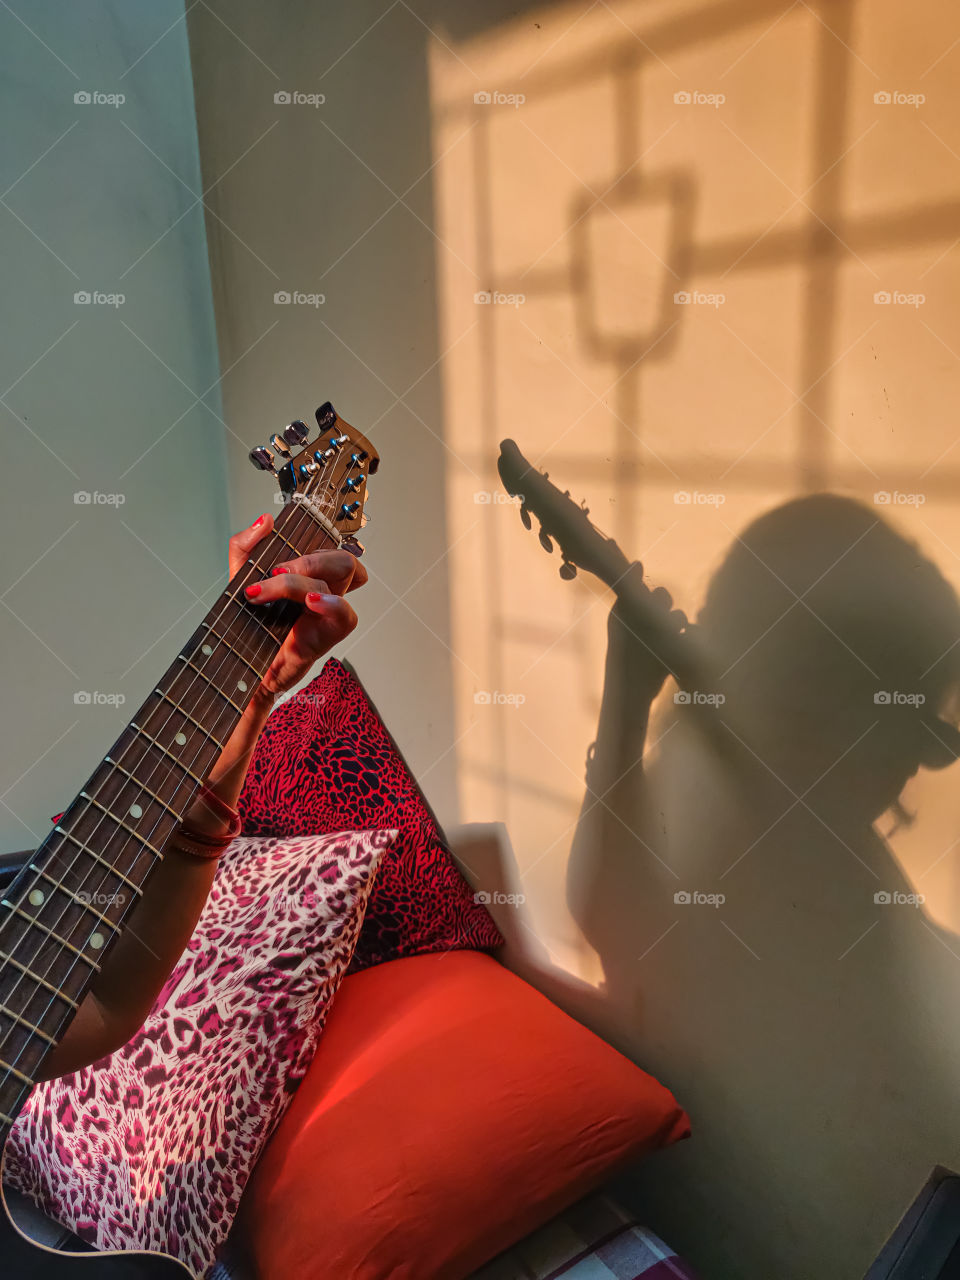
<point>450,1110</point>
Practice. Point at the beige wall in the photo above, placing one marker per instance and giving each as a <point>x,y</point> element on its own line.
<point>812,1033</point>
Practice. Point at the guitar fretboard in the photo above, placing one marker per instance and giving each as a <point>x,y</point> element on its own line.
<point>67,907</point>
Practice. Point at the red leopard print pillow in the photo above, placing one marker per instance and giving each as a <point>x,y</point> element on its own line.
<point>325,762</point>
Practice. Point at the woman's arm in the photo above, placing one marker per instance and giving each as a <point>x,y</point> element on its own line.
<point>161,926</point>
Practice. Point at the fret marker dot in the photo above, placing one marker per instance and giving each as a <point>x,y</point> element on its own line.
<point>242,684</point>
<point>181,739</point>
<point>136,811</point>
<point>37,898</point>
<point>206,649</point>
<point>97,940</point>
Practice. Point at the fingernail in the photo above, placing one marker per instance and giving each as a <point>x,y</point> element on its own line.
<point>281,568</point>
<point>254,589</point>
<point>259,520</point>
<point>314,597</point>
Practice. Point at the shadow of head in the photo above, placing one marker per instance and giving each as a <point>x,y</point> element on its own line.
<point>837,644</point>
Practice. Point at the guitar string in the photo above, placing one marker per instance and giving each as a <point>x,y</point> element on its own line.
<point>143,790</point>
<point>315,483</point>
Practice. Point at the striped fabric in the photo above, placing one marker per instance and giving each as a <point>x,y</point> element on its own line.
<point>594,1240</point>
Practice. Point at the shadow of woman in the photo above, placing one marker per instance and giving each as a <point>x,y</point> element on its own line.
<point>757,935</point>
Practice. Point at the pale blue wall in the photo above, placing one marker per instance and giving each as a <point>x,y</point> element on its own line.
<point>85,590</point>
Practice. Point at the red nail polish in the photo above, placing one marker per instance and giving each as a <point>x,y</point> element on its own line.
<point>259,520</point>
<point>314,596</point>
<point>281,568</point>
<point>254,589</point>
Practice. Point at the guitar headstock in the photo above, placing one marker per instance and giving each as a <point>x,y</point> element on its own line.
<point>328,475</point>
<point>582,545</point>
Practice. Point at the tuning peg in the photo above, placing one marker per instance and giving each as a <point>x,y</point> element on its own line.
<point>568,571</point>
<point>295,433</point>
<point>354,482</point>
<point>349,509</point>
<point>279,445</point>
<point>262,458</point>
<point>525,516</point>
<point>545,540</point>
<point>326,416</point>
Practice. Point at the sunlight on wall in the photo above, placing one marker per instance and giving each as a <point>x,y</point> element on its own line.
<point>583,209</point>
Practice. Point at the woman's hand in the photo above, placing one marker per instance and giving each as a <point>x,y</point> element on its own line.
<point>319,582</point>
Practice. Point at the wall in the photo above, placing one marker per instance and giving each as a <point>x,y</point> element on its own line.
<point>679,252</point>
<point>118,400</point>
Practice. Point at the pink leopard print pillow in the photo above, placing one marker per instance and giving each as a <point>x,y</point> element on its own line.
<point>325,761</point>
<point>151,1147</point>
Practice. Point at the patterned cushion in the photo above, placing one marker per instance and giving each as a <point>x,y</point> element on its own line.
<point>150,1147</point>
<point>325,762</point>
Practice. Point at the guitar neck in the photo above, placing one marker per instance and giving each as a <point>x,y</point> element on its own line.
<point>67,907</point>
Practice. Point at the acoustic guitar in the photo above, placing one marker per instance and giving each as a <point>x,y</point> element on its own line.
<point>107,843</point>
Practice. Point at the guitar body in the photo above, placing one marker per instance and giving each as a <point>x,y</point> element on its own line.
<point>24,1259</point>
